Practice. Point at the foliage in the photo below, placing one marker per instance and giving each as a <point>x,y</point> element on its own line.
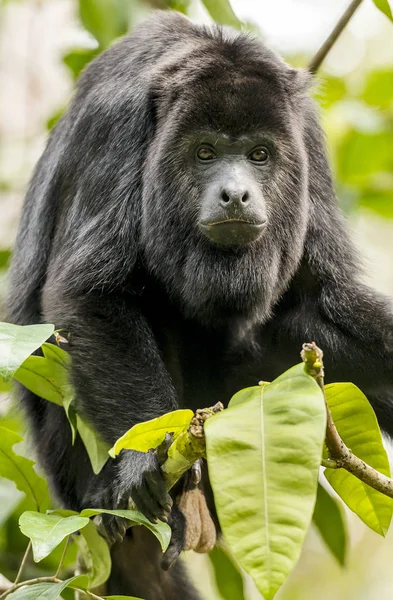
<point>269,441</point>
<point>329,519</point>
<point>358,427</point>
<point>228,576</point>
<point>384,7</point>
<point>365,181</point>
<point>47,590</point>
<point>20,470</point>
<point>151,434</point>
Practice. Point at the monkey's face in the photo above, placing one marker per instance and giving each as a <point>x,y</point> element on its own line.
<point>225,202</point>
<point>233,210</point>
<point>233,164</point>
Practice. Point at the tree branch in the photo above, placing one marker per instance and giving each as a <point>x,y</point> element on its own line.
<point>22,564</point>
<point>29,582</point>
<point>339,453</point>
<point>320,56</point>
<point>188,447</point>
<point>57,574</point>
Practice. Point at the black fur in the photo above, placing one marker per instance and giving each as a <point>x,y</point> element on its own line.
<point>110,248</point>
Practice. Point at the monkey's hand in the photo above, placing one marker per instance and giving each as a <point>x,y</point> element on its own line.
<point>136,476</point>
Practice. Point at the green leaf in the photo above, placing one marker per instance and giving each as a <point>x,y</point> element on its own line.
<point>384,7</point>
<point>358,169</point>
<point>221,12</point>
<point>268,442</point>
<point>104,19</point>
<point>227,575</point>
<point>329,519</point>
<point>20,470</point>
<point>17,342</point>
<point>95,554</point>
<point>78,59</point>
<point>48,591</point>
<point>48,531</point>
<point>379,202</point>
<point>5,256</point>
<point>150,434</point>
<point>161,530</point>
<point>331,90</point>
<point>53,352</point>
<point>63,512</point>
<point>48,375</point>
<point>96,447</point>
<point>358,427</point>
<point>121,598</point>
<point>378,90</point>
<point>179,5</point>
<point>44,377</point>
<point>68,404</point>
<point>54,118</point>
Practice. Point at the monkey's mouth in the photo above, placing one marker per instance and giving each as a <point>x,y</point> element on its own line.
<point>232,232</point>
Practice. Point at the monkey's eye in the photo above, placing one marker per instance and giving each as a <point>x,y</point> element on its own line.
<point>205,153</point>
<point>259,155</point>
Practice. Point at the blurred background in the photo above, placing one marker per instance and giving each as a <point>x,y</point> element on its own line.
<point>44,44</point>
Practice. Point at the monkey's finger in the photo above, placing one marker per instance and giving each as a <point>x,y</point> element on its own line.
<point>143,506</point>
<point>156,487</point>
<point>171,555</point>
<point>153,504</point>
<point>176,546</point>
<point>107,528</point>
<point>119,528</point>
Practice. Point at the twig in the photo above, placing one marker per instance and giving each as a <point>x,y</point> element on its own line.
<point>22,564</point>
<point>30,582</point>
<point>339,453</point>
<point>88,593</point>
<point>63,557</point>
<point>46,580</point>
<point>177,458</point>
<point>188,447</point>
<point>320,56</point>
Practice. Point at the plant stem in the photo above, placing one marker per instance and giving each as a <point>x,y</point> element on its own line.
<point>29,582</point>
<point>63,557</point>
<point>89,593</point>
<point>320,56</point>
<point>22,564</point>
<point>339,453</point>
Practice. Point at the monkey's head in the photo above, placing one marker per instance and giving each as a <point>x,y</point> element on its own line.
<point>186,148</point>
<point>225,181</point>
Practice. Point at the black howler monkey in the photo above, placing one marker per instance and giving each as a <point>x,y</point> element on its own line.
<point>182,225</point>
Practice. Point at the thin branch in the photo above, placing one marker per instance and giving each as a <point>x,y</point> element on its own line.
<point>320,56</point>
<point>46,580</point>
<point>189,447</point>
<point>329,463</point>
<point>29,582</point>
<point>89,593</point>
<point>339,453</point>
<point>63,557</point>
<point>22,564</point>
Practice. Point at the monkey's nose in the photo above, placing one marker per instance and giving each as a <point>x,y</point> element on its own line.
<point>234,197</point>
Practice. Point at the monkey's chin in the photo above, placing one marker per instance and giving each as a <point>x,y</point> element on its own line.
<point>233,232</point>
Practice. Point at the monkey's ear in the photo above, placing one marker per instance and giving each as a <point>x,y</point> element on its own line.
<point>297,82</point>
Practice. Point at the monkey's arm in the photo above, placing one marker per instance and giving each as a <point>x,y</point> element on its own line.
<point>120,379</point>
<point>354,327</point>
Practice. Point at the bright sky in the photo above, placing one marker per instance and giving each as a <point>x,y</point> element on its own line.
<point>292,26</point>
